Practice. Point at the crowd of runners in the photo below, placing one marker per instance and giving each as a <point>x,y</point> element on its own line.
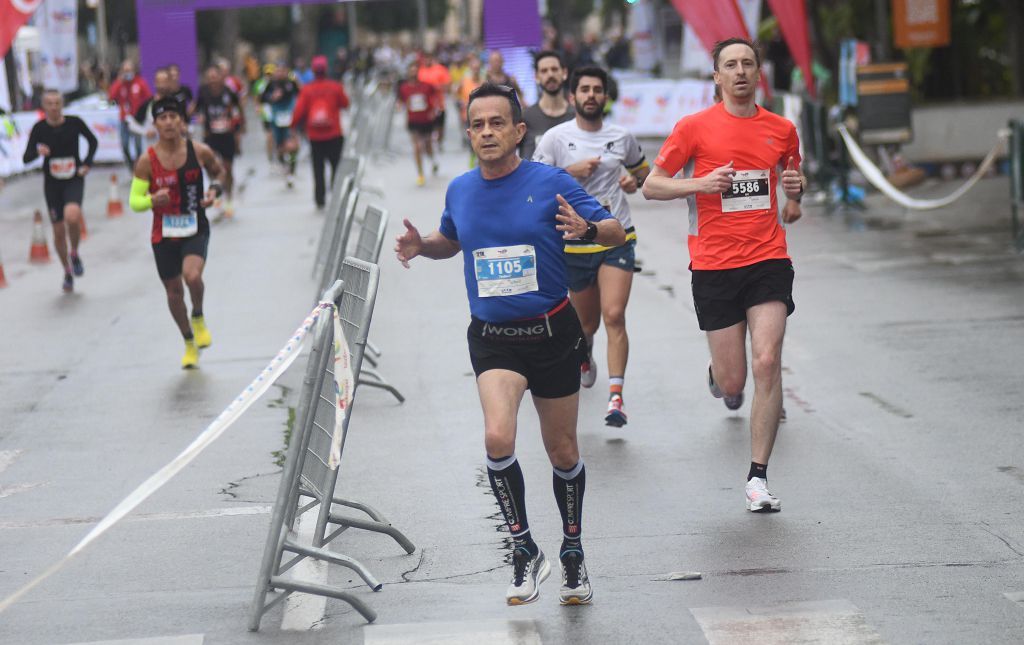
<point>542,219</point>
<point>543,225</point>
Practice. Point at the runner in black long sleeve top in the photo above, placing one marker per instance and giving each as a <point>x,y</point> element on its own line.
<point>55,138</point>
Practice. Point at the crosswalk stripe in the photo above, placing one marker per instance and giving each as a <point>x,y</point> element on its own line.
<point>492,632</point>
<point>831,622</point>
<point>187,639</point>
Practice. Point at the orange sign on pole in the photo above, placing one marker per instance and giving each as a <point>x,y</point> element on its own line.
<point>921,23</point>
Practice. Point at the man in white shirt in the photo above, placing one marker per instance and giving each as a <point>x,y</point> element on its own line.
<point>600,278</point>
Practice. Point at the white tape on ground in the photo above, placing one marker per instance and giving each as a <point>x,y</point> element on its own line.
<point>249,395</point>
<point>878,180</point>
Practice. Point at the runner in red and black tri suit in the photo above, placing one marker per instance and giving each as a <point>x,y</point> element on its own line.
<point>169,180</point>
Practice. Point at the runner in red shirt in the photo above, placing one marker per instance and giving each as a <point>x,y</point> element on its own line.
<point>415,95</point>
<point>130,91</point>
<point>742,274</point>
<point>319,107</point>
<point>435,74</point>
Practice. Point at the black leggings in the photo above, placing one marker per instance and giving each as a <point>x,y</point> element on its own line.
<point>329,150</point>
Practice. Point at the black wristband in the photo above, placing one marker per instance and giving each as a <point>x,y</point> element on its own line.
<point>591,233</point>
<point>216,187</point>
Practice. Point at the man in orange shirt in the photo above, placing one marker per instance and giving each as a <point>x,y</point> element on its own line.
<point>742,275</point>
<point>433,73</point>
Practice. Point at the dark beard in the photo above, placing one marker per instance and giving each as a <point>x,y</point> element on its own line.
<point>596,116</point>
<point>557,91</point>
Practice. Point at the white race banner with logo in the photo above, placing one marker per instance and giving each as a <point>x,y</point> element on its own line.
<point>650,108</point>
<point>645,47</point>
<point>58,54</point>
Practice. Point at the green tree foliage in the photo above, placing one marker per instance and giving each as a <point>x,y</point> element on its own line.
<point>977,64</point>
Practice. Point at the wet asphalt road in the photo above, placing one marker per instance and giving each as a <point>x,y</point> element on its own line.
<point>901,466</point>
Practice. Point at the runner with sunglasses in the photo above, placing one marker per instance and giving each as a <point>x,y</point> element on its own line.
<point>511,218</point>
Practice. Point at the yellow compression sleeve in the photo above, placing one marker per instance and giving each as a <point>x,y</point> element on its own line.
<point>139,199</point>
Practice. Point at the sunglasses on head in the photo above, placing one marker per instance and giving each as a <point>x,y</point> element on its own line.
<point>505,91</point>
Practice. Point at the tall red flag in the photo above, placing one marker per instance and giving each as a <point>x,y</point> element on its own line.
<point>14,14</point>
<point>792,18</point>
<point>713,21</point>
<point>716,21</point>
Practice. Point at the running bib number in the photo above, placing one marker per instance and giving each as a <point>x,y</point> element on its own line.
<point>283,119</point>
<point>750,191</point>
<point>418,103</point>
<point>185,225</point>
<point>62,167</point>
<point>505,270</point>
<point>222,125</point>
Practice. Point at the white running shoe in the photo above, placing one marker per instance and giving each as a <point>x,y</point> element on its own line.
<point>576,589</point>
<point>527,574</point>
<point>588,372</point>
<point>731,402</point>
<point>760,499</point>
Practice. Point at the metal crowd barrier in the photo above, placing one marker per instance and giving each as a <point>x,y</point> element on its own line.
<point>1017,181</point>
<point>338,242</point>
<point>372,231</point>
<point>349,174</point>
<point>306,474</point>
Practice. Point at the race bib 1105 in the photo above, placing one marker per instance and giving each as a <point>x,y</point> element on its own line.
<point>505,270</point>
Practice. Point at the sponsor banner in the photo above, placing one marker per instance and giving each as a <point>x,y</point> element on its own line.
<point>650,108</point>
<point>645,47</point>
<point>104,124</point>
<point>58,53</point>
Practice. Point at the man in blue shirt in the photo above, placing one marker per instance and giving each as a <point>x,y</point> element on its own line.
<point>510,218</point>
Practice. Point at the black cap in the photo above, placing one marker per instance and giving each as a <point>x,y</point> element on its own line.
<point>168,104</point>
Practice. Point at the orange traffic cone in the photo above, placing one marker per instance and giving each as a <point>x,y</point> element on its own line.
<point>114,206</point>
<point>40,251</point>
<point>3,278</point>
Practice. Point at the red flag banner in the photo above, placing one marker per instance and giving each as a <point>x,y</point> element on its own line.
<point>792,18</point>
<point>712,21</point>
<point>13,14</point>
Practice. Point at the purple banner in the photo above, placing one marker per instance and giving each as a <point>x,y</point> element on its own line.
<point>511,23</point>
<point>167,31</point>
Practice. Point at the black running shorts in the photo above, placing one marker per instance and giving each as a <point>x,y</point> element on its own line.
<point>170,253</point>
<point>421,128</point>
<point>61,192</point>
<point>547,351</point>
<point>722,298</point>
<point>223,144</point>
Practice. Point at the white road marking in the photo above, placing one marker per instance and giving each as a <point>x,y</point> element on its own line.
<point>829,622</point>
<point>492,632</point>
<point>1016,596</point>
<point>305,612</point>
<point>230,511</point>
<point>188,639</point>
<point>8,457</point>
<point>7,491</point>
